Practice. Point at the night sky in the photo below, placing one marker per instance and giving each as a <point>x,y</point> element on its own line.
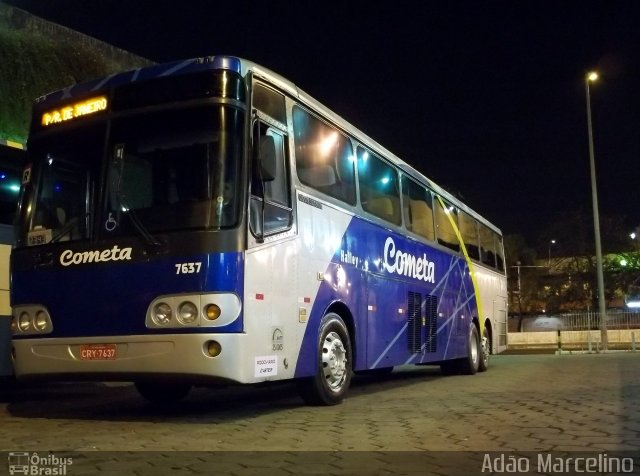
<point>487,98</point>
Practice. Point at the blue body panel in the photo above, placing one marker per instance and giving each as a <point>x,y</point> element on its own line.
<point>103,299</point>
<point>378,299</point>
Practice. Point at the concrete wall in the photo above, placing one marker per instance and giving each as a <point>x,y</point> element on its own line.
<point>621,339</point>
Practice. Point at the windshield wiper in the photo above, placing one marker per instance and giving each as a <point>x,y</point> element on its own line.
<point>118,171</point>
<point>138,225</point>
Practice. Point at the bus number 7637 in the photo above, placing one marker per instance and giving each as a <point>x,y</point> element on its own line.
<point>188,268</point>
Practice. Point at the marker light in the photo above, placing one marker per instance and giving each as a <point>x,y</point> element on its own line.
<point>212,312</point>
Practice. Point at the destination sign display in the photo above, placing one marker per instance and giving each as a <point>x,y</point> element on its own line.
<point>74,111</point>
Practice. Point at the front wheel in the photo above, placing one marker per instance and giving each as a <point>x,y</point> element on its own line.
<point>334,365</point>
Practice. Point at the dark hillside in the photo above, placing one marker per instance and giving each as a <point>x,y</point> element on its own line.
<point>37,57</point>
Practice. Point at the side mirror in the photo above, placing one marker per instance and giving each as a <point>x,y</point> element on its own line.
<point>267,158</point>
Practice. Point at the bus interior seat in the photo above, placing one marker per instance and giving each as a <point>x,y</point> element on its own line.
<point>318,177</point>
<point>421,218</point>
<point>383,207</point>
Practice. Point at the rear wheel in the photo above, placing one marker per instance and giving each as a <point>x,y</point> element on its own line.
<point>162,393</point>
<point>334,365</point>
<point>485,347</point>
<point>470,364</point>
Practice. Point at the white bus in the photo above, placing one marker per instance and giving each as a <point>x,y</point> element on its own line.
<point>11,164</point>
<point>207,220</point>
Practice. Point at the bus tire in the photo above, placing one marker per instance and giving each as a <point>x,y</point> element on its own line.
<point>470,364</point>
<point>485,351</point>
<point>334,365</point>
<point>162,393</point>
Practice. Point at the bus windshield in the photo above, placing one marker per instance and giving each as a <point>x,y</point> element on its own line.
<point>175,170</point>
<point>165,171</point>
<point>64,171</point>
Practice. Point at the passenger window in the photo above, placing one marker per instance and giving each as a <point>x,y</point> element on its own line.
<point>379,190</point>
<point>487,246</point>
<point>444,229</point>
<point>417,208</point>
<point>324,157</point>
<point>499,252</point>
<point>277,197</point>
<point>270,102</point>
<point>469,231</point>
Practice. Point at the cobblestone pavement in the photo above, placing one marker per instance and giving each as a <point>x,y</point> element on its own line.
<point>394,424</point>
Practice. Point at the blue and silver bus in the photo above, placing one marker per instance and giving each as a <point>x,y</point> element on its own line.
<point>11,157</point>
<point>207,221</point>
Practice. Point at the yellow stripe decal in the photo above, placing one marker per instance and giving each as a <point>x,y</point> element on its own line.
<point>472,272</point>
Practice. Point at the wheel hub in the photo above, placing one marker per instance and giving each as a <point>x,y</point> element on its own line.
<point>334,360</point>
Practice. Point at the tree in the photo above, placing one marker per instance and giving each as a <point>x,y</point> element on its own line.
<point>571,281</point>
<point>34,64</point>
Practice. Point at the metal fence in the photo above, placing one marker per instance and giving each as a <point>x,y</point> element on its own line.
<point>579,321</point>
<point>615,320</point>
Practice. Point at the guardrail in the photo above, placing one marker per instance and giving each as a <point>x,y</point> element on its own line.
<point>577,321</point>
<point>578,331</point>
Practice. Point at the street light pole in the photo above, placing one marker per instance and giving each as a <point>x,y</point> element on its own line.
<point>596,220</point>
<point>552,242</point>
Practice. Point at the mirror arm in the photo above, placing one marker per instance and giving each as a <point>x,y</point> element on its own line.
<point>256,141</point>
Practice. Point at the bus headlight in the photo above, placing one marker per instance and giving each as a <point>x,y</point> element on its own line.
<point>31,319</point>
<point>161,314</point>
<point>24,321</point>
<point>212,310</point>
<point>187,312</point>
<point>41,321</point>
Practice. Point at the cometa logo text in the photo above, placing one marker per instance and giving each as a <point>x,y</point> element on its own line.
<point>396,261</point>
<point>68,257</point>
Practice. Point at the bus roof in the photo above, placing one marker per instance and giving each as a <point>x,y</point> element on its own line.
<point>243,67</point>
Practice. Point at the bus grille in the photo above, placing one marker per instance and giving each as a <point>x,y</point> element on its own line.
<point>422,319</point>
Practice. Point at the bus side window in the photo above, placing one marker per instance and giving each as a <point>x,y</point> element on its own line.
<point>469,232</point>
<point>487,246</point>
<point>444,229</point>
<point>417,208</point>
<point>499,252</point>
<point>277,197</point>
<point>324,157</point>
<point>379,188</point>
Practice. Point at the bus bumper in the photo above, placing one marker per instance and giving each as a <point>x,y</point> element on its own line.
<point>181,357</point>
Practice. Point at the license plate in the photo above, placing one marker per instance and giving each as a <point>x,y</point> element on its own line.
<point>98,352</point>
